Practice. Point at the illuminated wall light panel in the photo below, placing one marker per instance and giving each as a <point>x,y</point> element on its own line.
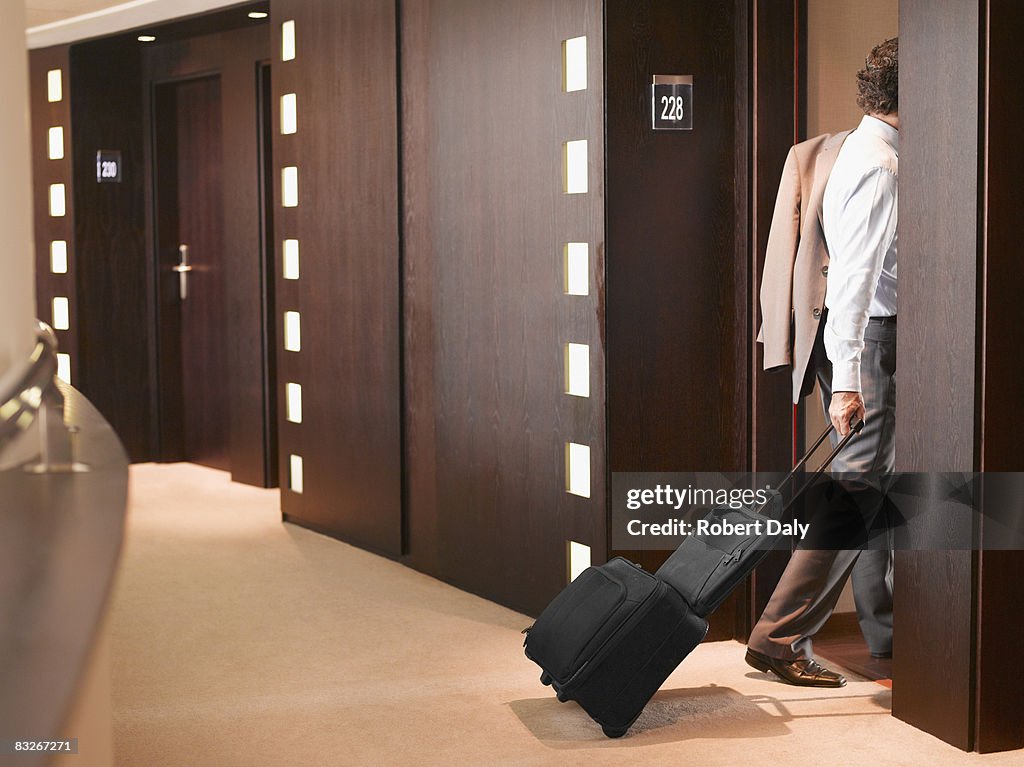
<point>578,557</point>
<point>64,367</point>
<point>55,143</point>
<point>59,257</point>
<point>54,85</point>
<point>57,202</point>
<point>288,40</point>
<point>577,268</point>
<point>61,313</point>
<point>577,370</point>
<point>289,186</point>
<point>289,115</point>
<point>290,251</point>
<point>293,402</point>
<point>292,332</point>
<point>574,64</point>
<point>295,473</point>
<point>577,469</point>
<point>576,167</point>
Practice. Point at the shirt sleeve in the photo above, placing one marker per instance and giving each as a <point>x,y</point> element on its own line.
<point>865,228</point>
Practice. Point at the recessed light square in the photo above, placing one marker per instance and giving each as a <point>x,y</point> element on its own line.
<point>59,257</point>
<point>292,332</point>
<point>58,203</point>
<point>61,313</point>
<point>288,40</point>
<point>289,115</point>
<point>577,268</point>
<point>574,64</point>
<point>54,86</point>
<point>64,367</point>
<point>295,473</point>
<point>578,556</point>
<point>290,253</point>
<point>577,469</point>
<point>289,186</point>
<point>576,180</point>
<point>293,402</point>
<point>55,143</point>
<point>577,370</point>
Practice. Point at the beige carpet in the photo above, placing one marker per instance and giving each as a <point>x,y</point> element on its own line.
<point>241,641</point>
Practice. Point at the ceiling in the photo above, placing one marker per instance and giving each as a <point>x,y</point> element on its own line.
<point>55,22</point>
<point>39,12</point>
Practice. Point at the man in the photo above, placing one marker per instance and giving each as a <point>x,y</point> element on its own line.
<point>857,377</point>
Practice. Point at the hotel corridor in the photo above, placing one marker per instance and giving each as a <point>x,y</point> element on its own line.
<point>241,641</point>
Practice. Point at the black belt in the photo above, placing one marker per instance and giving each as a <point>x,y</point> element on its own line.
<point>883,320</point>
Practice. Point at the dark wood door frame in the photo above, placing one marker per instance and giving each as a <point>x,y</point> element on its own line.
<point>769,63</point>
<point>236,56</point>
<point>955,671</point>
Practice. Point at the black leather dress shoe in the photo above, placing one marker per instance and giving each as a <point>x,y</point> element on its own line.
<point>804,672</point>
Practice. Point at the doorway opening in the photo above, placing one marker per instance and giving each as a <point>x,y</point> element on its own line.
<point>212,252</point>
<point>838,36</point>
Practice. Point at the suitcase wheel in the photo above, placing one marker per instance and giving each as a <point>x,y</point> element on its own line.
<point>614,732</point>
<point>545,678</point>
<point>562,697</point>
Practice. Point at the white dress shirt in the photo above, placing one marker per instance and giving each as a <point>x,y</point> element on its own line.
<point>859,220</point>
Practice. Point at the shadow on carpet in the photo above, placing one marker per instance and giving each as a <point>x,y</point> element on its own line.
<point>671,716</point>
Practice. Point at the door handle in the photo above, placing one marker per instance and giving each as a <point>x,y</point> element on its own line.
<point>183,268</point>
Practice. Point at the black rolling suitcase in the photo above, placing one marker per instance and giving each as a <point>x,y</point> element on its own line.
<point>613,636</point>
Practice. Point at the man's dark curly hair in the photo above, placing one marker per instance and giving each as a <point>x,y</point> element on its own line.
<point>878,84</point>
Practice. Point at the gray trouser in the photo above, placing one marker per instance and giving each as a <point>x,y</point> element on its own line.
<point>813,580</point>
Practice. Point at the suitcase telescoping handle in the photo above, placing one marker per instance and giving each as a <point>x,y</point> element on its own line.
<point>856,425</point>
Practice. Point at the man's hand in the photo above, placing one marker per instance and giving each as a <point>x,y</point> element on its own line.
<point>844,406</point>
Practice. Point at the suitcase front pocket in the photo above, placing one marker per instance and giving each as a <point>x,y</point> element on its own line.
<point>576,623</point>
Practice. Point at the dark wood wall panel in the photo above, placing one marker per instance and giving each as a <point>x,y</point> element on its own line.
<point>346,152</point>
<point>933,669</point>
<point>678,267</point>
<point>233,55</point>
<point>112,278</point>
<point>45,171</point>
<point>1000,684</point>
<point>484,118</point>
<point>672,325</point>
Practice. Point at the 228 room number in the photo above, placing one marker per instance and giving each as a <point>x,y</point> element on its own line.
<point>671,102</point>
<point>672,107</point>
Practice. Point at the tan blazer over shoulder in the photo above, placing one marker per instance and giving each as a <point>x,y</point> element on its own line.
<point>796,262</point>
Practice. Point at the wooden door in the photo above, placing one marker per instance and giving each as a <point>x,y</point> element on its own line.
<point>195,423</point>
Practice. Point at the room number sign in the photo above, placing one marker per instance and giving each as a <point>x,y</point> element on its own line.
<point>672,102</point>
<point>108,166</point>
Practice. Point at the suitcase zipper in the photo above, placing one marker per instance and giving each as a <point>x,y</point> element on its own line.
<point>726,561</point>
<point>734,557</point>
